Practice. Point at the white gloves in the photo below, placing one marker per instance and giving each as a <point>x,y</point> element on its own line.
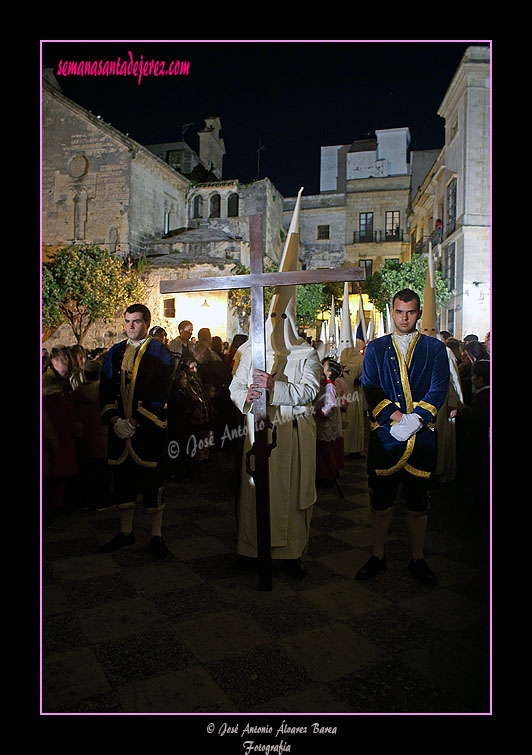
<point>123,428</point>
<point>407,426</point>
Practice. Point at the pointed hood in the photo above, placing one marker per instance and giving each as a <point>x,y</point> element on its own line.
<point>320,349</point>
<point>282,339</point>
<point>381,331</point>
<point>352,356</point>
<point>324,332</point>
<point>346,327</point>
<point>389,327</point>
<point>332,342</point>
<point>330,346</point>
<point>361,321</point>
<point>370,335</point>
<point>429,324</point>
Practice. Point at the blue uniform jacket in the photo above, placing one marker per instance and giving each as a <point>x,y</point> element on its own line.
<point>146,401</point>
<point>418,384</point>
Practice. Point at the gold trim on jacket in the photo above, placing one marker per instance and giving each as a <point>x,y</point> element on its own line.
<point>127,392</point>
<point>404,364</point>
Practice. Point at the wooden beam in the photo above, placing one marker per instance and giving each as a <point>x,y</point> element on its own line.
<point>299,277</point>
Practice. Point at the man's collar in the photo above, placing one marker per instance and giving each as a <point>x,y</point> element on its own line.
<point>136,344</point>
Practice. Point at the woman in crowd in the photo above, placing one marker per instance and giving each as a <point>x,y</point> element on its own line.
<point>159,333</point>
<point>232,357</point>
<point>61,426</point>
<point>471,352</point>
<point>330,440</point>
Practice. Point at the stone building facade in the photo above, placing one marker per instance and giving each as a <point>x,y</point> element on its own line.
<point>216,242</point>
<point>379,200</point>
<point>451,207</point>
<point>181,157</point>
<point>101,187</point>
<point>322,224</point>
<point>359,217</point>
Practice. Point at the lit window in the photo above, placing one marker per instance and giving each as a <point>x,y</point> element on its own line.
<point>365,226</point>
<point>393,228</point>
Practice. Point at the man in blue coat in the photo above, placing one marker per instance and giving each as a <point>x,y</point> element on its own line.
<point>405,378</point>
<point>135,383</point>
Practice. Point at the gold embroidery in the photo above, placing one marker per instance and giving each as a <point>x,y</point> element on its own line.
<point>131,362</point>
<point>404,375</point>
<point>404,364</point>
<point>120,460</point>
<point>381,406</point>
<point>402,461</point>
<point>429,407</point>
<point>136,458</point>
<point>153,417</point>
<point>416,472</point>
<point>410,352</point>
<point>128,391</point>
<point>107,407</point>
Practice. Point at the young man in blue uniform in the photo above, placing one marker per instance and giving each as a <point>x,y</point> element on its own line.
<point>135,383</point>
<point>405,378</point>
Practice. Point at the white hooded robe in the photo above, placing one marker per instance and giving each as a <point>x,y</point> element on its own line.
<point>297,372</point>
<point>351,360</point>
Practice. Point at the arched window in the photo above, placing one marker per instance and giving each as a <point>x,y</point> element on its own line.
<point>232,206</point>
<point>214,211</point>
<point>197,211</point>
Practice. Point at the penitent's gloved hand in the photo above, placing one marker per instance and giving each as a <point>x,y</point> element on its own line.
<point>406,427</point>
<point>124,429</point>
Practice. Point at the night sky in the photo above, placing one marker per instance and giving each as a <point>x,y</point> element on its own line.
<point>292,97</point>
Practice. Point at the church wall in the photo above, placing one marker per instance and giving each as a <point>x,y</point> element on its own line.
<point>261,197</point>
<point>85,176</point>
<point>232,225</point>
<point>154,193</point>
<point>257,198</point>
<point>99,186</point>
<point>102,188</point>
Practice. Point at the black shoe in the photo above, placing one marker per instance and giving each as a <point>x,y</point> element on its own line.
<point>371,568</point>
<point>297,568</point>
<point>117,542</point>
<point>421,571</point>
<point>158,547</point>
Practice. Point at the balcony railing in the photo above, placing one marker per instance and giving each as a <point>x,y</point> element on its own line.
<point>421,246</point>
<point>436,236</point>
<point>379,237</point>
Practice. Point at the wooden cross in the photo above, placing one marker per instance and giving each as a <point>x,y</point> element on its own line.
<point>256,281</point>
